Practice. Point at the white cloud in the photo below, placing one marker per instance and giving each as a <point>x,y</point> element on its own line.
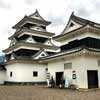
<point>57,11</point>
<point>4,4</point>
<point>30,2</point>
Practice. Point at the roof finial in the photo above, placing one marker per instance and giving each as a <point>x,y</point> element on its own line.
<point>36,11</point>
<point>72,12</point>
<point>25,15</point>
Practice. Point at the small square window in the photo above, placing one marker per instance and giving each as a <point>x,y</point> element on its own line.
<point>10,74</point>
<point>99,63</point>
<point>74,76</point>
<point>67,66</point>
<point>46,69</point>
<point>35,73</point>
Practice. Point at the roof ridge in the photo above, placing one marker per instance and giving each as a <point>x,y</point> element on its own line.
<point>90,22</point>
<point>36,12</point>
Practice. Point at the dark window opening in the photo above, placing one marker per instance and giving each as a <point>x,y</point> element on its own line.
<point>35,73</point>
<point>71,25</point>
<point>10,74</point>
<point>28,25</point>
<point>36,16</point>
<point>42,55</point>
<point>39,39</point>
<point>46,69</point>
<point>43,27</point>
<point>25,53</point>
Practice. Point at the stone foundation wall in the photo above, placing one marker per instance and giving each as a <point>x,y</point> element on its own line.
<point>24,83</point>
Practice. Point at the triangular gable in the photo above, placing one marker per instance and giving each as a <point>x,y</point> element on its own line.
<point>40,54</point>
<point>30,40</point>
<point>38,28</point>
<point>72,25</point>
<point>49,42</point>
<point>36,15</point>
<point>30,19</point>
<point>13,42</point>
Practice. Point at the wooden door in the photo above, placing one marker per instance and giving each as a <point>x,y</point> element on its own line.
<point>92,78</point>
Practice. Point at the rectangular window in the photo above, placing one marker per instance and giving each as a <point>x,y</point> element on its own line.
<point>99,63</point>
<point>10,74</point>
<point>35,73</point>
<point>67,65</point>
<point>73,76</point>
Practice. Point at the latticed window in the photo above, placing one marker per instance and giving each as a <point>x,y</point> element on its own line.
<point>99,63</point>
<point>67,65</point>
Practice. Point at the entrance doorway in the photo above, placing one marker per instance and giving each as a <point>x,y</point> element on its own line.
<point>92,76</point>
<point>59,76</point>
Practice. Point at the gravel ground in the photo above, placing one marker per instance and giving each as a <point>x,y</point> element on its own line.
<point>44,93</point>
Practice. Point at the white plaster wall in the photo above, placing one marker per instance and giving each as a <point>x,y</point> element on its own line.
<point>58,66</point>
<point>79,64</point>
<point>2,76</point>
<point>24,72</point>
<point>55,66</point>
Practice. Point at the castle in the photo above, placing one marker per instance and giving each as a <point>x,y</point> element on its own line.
<point>32,56</point>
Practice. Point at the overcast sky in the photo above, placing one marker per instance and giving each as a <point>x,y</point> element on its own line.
<point>56,11</point>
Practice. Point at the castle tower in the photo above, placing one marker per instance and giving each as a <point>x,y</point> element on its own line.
<point>29,43</point>
<point>31,39</point>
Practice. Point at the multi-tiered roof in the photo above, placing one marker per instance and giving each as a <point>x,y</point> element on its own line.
<point>79,37</point>
<point>31,39</point>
